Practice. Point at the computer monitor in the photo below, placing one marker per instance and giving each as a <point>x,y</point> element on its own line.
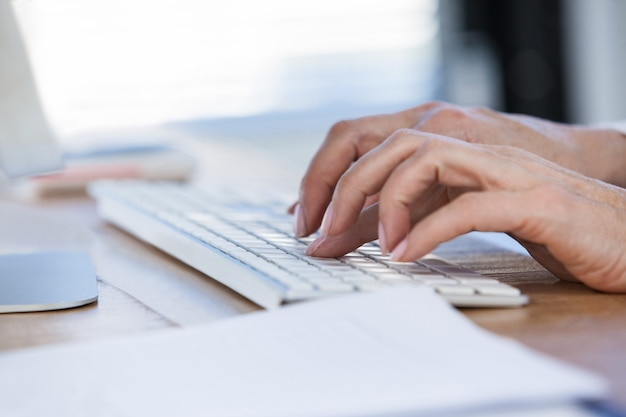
<point>32,281</point>
<point>27,146</point>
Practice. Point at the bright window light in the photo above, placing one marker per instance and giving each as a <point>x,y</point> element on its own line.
<point>133,62</point>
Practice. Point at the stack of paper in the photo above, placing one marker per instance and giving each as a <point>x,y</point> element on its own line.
<point>398,352</point>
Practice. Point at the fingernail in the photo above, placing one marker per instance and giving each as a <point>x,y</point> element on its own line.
<point>314,246</point>
<point>382,240</point>
<point>299,225</point>
<point>327,220</point>
<point>398,251</point>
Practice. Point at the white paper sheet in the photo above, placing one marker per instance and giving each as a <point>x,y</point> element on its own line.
<point>398,352</point>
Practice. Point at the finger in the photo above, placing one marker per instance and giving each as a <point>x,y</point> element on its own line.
<point>451,163</point>
<point>364,230</point>
<point>345,143</point>
<point>492,211</point>
<point>578,233</point>
<point>366,177</point>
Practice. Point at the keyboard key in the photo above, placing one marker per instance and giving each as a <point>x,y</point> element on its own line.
<point>496,289</point>
<point>477,280</point>
<point>371,286</point>
<point>454,289</point>
<point>433,279</point>
<point>357,279</point>
<point>335,286</point>
<point>393,277</point>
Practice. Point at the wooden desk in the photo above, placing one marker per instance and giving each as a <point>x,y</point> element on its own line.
<point>141,289</point>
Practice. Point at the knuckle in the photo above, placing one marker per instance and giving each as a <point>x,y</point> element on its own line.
<point>415,141</point>
<point>450,113</point>
<point>552,199</point>
<point>341,129</point>
<point>307,182</point>
<point>346,182</point>
<point>349,182</point>
<point>358,132</point>
<point>401,136</point>
<point>442,116</point>
<point>432,105</point>
<point>483,111</point>
<point>433,146</point>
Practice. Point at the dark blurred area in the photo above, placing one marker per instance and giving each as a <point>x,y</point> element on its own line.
<point>527,38</point>
<point>557,59</point>
<point>523,40</point>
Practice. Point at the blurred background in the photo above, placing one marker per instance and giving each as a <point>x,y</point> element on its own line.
<point>276,74</point>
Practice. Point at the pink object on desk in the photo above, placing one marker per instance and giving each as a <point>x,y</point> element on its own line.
<point>163,165</point>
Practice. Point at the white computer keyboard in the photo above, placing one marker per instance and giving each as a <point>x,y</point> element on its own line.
<point>245,241</point>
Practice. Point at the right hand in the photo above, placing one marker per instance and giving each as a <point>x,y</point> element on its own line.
<point>433,188</point>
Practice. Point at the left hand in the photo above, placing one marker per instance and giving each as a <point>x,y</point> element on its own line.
<point>596,153</point>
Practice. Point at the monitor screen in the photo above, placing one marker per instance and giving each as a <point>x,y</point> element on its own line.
<point>27,146</point>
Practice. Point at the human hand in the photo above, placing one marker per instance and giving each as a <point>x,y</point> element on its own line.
<point>594,152</point>
<point>432,189</point>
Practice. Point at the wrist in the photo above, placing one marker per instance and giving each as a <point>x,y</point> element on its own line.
<point>602,153</point>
